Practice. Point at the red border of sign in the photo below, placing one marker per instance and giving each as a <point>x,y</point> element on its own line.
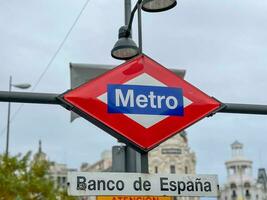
<point>83,100</point>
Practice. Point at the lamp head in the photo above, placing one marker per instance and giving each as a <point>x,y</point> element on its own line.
<point>158,5</point>
<point>125,48</point>
<point>22,85</point>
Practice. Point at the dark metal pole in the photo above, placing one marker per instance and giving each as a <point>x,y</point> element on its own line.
<point>139,158</point>
<point>8,118</point>
<point>134,162</point>
<point>29,97</point>
<point>143,155</point>
<point>132,159</point>
<point>129,25</point>
<point>51,98</point>
<point>118,158</point>
<point>244,108</point>
<point>127,13</point>
<point>144,162</point>
<point>140,40</point>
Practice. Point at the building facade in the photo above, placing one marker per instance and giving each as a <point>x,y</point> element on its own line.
<point>171,157</point>
<point>104,164</point>
<point>57,172</point>
<point>240,184</point>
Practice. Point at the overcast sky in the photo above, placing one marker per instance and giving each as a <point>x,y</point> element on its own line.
<point>221,44</point>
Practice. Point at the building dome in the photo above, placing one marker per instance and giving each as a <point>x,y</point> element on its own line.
<point>236,145</point>
<point>240,182</point>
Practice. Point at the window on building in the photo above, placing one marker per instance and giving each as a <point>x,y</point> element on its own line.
<point>247,185</point>
<point>247,193</point>
<point>186,170</point>
<point>233,186</point>
<point>172,169</point>
<point>156,169</point>
<point>247,171</point>
<point>231,171</point>
<point>64,180</point>
<point>171,151</point>
<point>233,194</point>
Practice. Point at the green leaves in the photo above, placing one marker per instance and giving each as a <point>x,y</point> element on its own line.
<point>25,179</point>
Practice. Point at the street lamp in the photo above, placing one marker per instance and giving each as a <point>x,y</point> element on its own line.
<point>125,48</point>
<point>20,86</point>
<point>158,5</point>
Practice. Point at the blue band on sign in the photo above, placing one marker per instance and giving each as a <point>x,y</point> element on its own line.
<point>149,100</point>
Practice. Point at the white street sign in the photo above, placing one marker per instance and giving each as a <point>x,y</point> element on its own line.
<point>105,183</point>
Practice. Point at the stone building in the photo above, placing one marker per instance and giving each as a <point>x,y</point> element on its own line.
<point>57,172</point>
<point>104,164</point>
<point>240,184</point>
<point>173,156</point>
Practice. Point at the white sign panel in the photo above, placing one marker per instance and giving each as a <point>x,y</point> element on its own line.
<point>105,183</point>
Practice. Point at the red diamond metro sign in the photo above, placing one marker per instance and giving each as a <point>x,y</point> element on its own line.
<point>140,103</point>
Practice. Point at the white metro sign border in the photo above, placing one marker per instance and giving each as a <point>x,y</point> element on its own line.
<point>145,120</point>
<point>140,102</point>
